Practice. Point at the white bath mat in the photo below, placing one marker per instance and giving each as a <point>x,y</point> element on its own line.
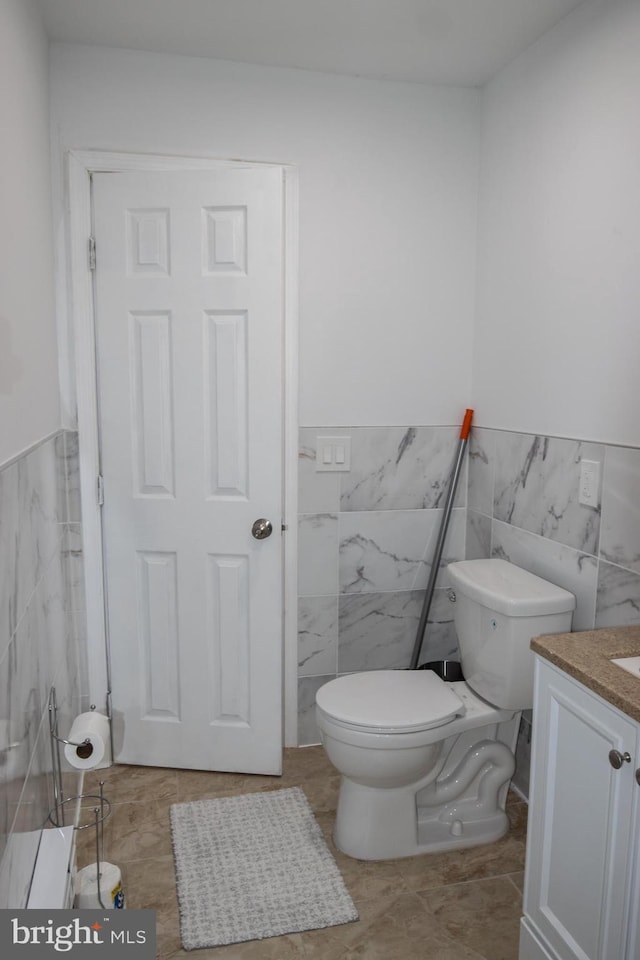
<point>254,866</point>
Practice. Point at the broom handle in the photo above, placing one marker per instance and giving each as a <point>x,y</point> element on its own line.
<point>444,524</point>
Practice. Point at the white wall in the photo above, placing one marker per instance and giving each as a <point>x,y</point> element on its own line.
<point>388,189</point>
<point>29,403</point>
<point>557,335</point>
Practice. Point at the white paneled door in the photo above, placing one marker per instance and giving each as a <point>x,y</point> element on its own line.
<point>189,307</point>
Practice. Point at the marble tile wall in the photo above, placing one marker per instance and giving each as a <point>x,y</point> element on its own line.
<point>366,539</point>
<point>523,506</point>
<point>41,641</point>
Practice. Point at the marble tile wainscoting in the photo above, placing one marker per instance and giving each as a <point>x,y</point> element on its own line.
<point>523,506</point>
<point>366,539</point>
<point>42,641</point>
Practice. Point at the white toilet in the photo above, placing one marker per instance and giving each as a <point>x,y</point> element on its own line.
<point>425,763</point>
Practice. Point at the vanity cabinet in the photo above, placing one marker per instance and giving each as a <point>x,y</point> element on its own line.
<point>582,881</point>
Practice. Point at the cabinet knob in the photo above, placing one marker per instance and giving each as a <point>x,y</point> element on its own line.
<point>616,759</point>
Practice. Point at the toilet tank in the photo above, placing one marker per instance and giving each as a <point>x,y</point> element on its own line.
<point>499,607</point>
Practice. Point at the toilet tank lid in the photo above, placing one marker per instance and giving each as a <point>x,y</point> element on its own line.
<point>506,588</point>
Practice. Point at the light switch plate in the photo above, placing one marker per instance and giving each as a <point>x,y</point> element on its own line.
<point>333,454</point>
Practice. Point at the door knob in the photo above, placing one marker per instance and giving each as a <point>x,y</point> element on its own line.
<point>616,759</point>
<point>261,529</point>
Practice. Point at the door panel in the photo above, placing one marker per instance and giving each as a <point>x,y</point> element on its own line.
<point>189,343</point>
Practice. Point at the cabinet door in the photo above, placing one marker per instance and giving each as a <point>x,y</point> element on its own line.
<point>580,820</point>
<point>633,942</point>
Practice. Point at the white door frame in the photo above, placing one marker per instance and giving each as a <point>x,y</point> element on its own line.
<point>80,165</point>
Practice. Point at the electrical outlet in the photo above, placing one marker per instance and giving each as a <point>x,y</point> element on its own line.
<point>589,494</point>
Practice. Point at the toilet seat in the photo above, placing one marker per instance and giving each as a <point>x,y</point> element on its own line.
<point>389,701</point>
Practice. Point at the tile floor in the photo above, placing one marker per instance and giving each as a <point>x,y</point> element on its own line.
<point>463,905</point>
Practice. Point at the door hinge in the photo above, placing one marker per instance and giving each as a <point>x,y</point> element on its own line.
<point>92,253</point>
<point>100,490</point>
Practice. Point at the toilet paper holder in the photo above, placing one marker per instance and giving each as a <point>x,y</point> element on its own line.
<point>56,740</point>
<point>71,743</point>
<point>100,814</point>
<point>57,813</point>
<point>53,723</point>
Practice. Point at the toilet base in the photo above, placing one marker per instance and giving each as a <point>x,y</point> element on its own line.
<point>459,803</point>
<point>434,835</point>
<point>373,824</point>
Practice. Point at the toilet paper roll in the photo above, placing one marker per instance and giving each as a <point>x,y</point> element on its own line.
<point>93,727</point>
<point>111,891</point>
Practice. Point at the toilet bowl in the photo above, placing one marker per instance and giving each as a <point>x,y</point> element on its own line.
<point>425,764</point>
<point>385,807</point>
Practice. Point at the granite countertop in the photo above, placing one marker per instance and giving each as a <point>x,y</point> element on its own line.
<point>585,656</point>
